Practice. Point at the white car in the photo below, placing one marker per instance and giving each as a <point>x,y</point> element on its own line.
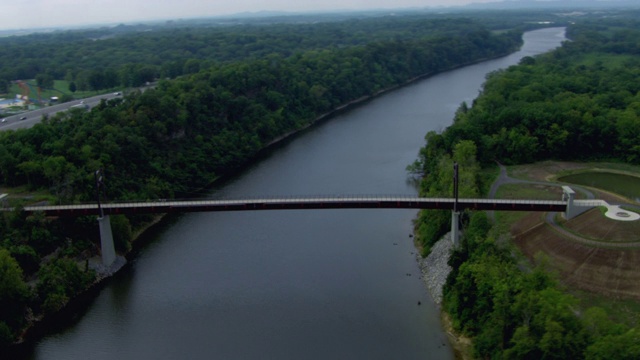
<point>4,120</point>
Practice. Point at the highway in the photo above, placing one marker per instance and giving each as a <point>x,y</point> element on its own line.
<point>13,122</point>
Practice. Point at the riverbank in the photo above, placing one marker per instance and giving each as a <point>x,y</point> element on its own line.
<point>434,267</point>
<point>567,250</point>
<point>363,99</point>
<point>434,270</point>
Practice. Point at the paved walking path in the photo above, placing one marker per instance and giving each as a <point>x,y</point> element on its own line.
<point>614,211</point>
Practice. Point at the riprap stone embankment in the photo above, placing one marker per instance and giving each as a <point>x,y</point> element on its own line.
<point>434,268</point>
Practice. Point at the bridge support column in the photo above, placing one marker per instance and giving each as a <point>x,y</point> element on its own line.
<point>106,241</point>
<point>455,214</point>
<point>577,207</point>
<point>568,195</point>
<point>455,228</point>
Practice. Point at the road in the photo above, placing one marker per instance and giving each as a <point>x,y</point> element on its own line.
<point>33,117</point>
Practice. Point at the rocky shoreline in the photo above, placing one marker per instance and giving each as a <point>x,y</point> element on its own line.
<point>434,268</point>
<point>434,271</point>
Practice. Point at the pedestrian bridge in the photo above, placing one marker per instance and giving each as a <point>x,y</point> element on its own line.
<point>567,205</point>
<point>297,203</point>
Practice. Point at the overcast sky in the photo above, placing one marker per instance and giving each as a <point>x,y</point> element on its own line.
<point>21,14</point>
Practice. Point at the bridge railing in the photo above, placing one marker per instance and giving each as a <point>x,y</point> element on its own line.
<point>253,198</point>
<point>253,202</point>
<point>317,201</point>
<point>592,203</point>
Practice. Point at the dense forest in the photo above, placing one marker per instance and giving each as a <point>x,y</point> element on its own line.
<point>580,102</point>
<point>102,59</point>
<point>178,137</point>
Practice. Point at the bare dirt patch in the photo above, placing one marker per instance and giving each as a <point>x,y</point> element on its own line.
<point>594,225</point>
<point>527,224</point>
<point>610,272</point>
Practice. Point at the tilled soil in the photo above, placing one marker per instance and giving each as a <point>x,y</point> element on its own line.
<point>595,226</point>
<point>613,272</point>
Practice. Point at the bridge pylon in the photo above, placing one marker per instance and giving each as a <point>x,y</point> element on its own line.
<point>455,214</point>
<point>455,228</point>
<point>107,248</point>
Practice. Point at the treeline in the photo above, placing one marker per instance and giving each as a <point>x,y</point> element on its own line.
<point>94,60</point>
<point>228,111</point>
<point>515,314</point>
<point>580,102</point>
<point>169,141</point>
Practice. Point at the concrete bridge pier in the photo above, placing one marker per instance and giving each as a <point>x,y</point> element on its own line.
<point>569,196</point>
<point>577,207</point>
<point>107,247</point>
<point>455,228</point>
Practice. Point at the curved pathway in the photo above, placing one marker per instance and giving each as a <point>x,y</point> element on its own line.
<point>504,178</point>
<point>550,217</point>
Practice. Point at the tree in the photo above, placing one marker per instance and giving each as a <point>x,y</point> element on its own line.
<point>629,134</point>
<point>616,347</point>
<point>26,257</point>
<point>556,139</point>
<point>121,228</point>
<point>4,86</point>
<point>59,281</point>
<point>45,81</point>
<point>523,345</point>
<point>191,66</point>
<point>464,154</point>
<point>13,290</point>
<point>96,80</point>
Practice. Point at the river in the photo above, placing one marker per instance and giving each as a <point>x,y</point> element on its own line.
<point>314,284</point>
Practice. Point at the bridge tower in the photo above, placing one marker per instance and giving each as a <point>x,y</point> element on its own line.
<point>455,214</point>
<point>569,196</point>
<point>107,247</point>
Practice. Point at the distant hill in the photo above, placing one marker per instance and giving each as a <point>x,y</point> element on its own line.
<point>556,4</point>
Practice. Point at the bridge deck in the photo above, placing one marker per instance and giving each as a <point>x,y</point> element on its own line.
<point>337,202</point>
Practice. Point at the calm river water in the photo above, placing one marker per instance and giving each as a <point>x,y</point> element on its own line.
<point>321,284</point>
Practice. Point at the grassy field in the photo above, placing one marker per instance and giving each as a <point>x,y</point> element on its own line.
<point>506,219</point>
<point>487,175</point>
<point>61,88</point>
<point>623,311</point>
<point>22,195</point>
<point>529,191</point>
